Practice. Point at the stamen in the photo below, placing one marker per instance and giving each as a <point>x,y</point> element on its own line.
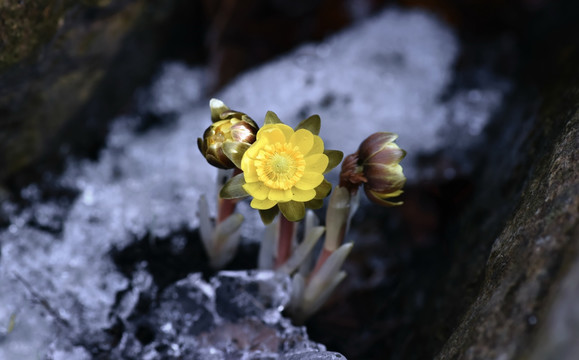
<point>280,166</point>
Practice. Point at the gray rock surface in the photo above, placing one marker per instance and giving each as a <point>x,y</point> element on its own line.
<point>521,298</point>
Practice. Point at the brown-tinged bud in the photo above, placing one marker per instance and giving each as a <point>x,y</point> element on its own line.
<point>376,164</point>
<point>230,127</point>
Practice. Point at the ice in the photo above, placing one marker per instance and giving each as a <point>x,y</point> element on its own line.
<point>58,280</point>
<point>231,316</point>
<point>261,293</point>
<point>19,317</point>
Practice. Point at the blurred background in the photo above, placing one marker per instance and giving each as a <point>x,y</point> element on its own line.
<point>70,69</point>
<point>67,68</point>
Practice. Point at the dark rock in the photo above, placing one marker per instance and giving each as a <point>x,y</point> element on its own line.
<point>488,268</point>
<point>520,299</point>
<point>68,66</point>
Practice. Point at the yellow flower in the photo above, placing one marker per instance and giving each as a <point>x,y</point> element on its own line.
<point>284,169</point>
<point>283,165</point>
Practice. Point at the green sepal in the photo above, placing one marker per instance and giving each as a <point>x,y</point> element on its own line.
<point>335,157</point>
<point>267,216</point>
<point>217,108</point>
<point>234,151</point>
<point>293,210</point>
<point>227,114</point>
<point>271,118</point>
<point>314,204</point>
<point>200,145</point>
<point>233,189</point>
<point>312,124</point>
<point>249,120</point>
<point>323,190</point>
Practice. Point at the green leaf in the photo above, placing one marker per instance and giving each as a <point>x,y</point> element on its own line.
<point>268,215</point>
<point>271,118</point>
<point>323,190</point>
<point>293,210</point>
<point>312,124</point>
<point>335,157</point>
<point>234,151</point>
<point>315,204</point>
<point>233,189</point>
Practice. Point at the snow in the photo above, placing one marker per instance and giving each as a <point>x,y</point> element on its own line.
<point>386,74</point>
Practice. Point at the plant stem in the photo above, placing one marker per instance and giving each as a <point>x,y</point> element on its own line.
<point>226,207</point>
<point>324,255</point>
<point>284,246</point>
<point>337,221</point>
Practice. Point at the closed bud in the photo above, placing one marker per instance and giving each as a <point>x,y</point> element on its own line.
<point>376,164</point>
<point>230,127</point>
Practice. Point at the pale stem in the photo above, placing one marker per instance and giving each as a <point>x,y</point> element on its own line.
<point>284,246</point>
<point>337,222</point>
<point>225,207</point>
<point>324,255</point>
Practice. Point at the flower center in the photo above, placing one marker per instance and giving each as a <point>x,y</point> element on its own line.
<point>280,166</point>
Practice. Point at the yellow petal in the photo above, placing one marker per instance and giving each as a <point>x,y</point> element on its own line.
<point>262,204</point>
<point>254,149</point>
<point>273,135</point>
<point>279,195</point>
<point>249,171</point>
<point>303,195</point>
<point>257,189</point>
<point>309,180</point>
<point>245,160</point>
<point>266,130</point>
<point>248,168</point>
<point>318,146</point>
<point>262,131</point>
<point>287,131</point>
<point>303,139</point>
<point>316,163</point>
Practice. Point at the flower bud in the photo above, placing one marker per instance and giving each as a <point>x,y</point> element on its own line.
<point>376,165</point>
<point>228,126</point>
